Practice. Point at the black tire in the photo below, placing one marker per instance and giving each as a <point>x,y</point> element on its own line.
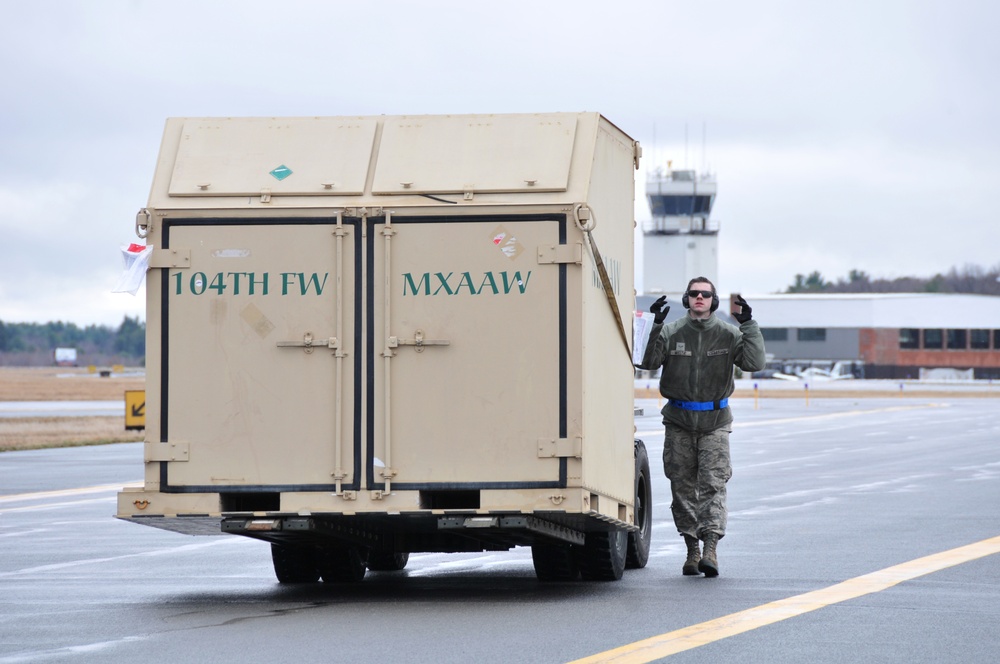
<point>602,556</point>
<point>639,541</point>
<point>294,564</point>
<point>387,561</point>
<point>341,564</point>
<point>554,562</point>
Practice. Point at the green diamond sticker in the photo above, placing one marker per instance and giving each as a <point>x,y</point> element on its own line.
<point>281,172</point>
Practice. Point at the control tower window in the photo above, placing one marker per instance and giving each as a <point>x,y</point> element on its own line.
<point>680,206</point>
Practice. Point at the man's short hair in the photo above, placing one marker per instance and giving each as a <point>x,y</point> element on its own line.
<point>701,279</point>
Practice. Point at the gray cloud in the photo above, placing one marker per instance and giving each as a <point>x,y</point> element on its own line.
<point>844,135</point>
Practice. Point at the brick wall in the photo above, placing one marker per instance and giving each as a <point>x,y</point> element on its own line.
<point>881,347</point>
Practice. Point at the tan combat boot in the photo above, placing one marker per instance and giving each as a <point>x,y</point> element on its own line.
<point>694,557</point>
<point>709,564</point>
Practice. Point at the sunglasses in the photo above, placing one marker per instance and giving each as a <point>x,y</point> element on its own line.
<point>707,294</point>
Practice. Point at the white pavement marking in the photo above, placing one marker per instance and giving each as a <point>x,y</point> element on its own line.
<point>144,554</point>
<point>42,495</point>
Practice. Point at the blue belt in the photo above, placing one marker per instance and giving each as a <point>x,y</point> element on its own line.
<point>699,405</point>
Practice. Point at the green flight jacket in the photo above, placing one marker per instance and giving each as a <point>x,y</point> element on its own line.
<point>697,357</point>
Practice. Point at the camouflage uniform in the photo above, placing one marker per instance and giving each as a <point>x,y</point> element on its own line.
<point>698,467</point>
<point>697,357</point>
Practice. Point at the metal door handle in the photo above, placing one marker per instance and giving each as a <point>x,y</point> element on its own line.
<point>418,341</point>
<point>309,343</point>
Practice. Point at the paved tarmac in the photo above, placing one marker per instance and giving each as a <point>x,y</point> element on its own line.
<point>860,530</point>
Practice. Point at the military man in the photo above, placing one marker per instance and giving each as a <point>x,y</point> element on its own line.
<point>697,353</point>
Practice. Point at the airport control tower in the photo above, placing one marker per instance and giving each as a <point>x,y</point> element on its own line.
<point>681,241</point>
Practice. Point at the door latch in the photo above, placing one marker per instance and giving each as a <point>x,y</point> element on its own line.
<point>310,343</point>
<point>417,341</point>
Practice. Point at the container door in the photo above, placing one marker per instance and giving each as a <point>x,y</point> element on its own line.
<point>259,355</point>
<point>468,359</point>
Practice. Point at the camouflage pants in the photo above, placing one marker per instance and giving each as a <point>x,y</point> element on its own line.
<point>698,467</point>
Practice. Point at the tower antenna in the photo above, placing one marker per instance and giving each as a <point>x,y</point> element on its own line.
<point>653,151</point>
<point>687,164</point>
<point>704,166</point>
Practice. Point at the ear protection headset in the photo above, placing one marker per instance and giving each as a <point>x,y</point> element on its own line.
<point>686,301</point>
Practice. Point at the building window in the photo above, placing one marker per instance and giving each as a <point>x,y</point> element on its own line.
<point>812,334</point>
<point>979,339</point>
<point>774,333</point>
<point>933,339</point>
<point>909,338</point>
<point>996,339</point>
<point>957,339</point>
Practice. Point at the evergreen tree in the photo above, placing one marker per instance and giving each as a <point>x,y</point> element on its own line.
<point>814,283</point>
<point>131,338</point>
<point>968,279</point>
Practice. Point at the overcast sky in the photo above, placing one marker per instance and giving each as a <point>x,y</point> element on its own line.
<point>860,134</point>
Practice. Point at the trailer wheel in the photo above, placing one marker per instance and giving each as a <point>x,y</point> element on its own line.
<point>602,556</point>
<point>294,564</point>
<point>387,561</point>
<point>341,564</point>
<point>639,541</point>
<point>554,562</point>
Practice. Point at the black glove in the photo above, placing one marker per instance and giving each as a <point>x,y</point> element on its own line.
<point>745,310</point>
<point>659,309</point>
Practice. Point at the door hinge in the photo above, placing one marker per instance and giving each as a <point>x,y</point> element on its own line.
<point>560,253</point>
<point>549,448</point>
<point>175,258</point>
<point>168,452</point>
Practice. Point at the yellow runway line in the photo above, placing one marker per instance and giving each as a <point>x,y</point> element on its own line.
<point>654,648</point>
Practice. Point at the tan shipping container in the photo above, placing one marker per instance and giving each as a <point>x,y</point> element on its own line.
<point>372,336</point>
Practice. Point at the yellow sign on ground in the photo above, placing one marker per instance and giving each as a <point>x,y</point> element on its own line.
<point>135,409</point>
